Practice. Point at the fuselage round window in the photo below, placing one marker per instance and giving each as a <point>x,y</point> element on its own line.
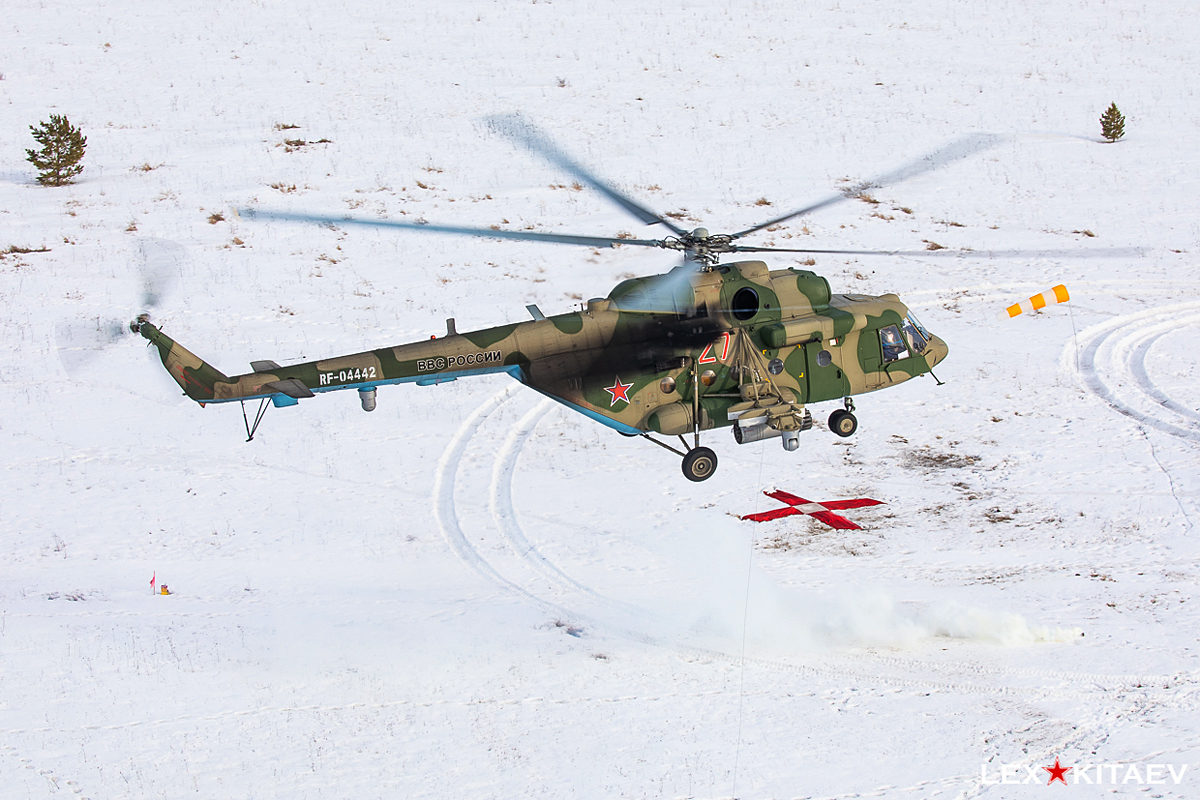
<point>745,303</point>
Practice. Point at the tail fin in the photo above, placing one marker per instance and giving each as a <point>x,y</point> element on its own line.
<point>194,376</point>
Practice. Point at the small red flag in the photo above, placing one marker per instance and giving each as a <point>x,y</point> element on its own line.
<point>152,581</point>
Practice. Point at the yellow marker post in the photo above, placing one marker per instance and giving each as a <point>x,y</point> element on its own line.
<point>1058,294</point>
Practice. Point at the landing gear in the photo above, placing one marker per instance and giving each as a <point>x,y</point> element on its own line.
<point>258,418</point>
<point>843,423</point>
<point>699,464</point>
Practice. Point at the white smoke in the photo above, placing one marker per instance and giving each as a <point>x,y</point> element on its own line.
<point>963,622</point>
<point>721,607</point>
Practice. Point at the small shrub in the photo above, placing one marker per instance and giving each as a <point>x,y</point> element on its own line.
<point>215,217</point>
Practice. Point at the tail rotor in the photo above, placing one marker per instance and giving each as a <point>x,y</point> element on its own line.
<point>78,342</point>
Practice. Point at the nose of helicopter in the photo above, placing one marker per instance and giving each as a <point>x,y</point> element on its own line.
<point>937,352</point>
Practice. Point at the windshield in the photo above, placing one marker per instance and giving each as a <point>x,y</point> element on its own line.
<point>916,334</point>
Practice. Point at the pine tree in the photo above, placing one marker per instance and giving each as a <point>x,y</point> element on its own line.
<point>62,149</point>
<point>1112,124</point>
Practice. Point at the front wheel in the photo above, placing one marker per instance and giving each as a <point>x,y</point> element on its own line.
<point>843,423</point>
<point>699,464</point>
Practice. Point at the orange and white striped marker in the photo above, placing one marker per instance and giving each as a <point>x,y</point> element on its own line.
<point>1039,301</point>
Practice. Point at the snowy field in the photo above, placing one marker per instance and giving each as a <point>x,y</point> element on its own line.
<point>473,592</point>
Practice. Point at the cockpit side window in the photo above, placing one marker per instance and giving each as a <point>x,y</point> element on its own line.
<point>894,347</point>
<point>915,335</point>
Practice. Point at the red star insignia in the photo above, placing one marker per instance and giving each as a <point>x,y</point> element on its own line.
<point>1057,773</point>
<point>620,391</point>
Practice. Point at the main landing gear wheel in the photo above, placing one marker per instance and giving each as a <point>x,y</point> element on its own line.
<point>843,423</point>
<point>699,464</point>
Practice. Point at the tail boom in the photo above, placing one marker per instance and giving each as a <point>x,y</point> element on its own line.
<point>435,361</point>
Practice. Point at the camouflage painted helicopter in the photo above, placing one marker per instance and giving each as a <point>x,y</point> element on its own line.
<point>704,346</point>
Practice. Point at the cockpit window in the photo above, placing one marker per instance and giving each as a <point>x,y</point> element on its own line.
<point>894,347</point>
<point>920,327</point>
<point>915,334</point>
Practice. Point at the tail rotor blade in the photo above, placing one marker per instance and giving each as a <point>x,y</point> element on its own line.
<point>80,341</point>
<point>159,265</point>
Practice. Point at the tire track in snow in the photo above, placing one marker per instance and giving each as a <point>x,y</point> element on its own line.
<point>505,518</point>
<point>445,509</point>
<point>446,513</point>
<point>501,504</point>
<point>1112,366</point>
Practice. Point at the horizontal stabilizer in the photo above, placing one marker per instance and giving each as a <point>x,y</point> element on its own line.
<point>291,387</point>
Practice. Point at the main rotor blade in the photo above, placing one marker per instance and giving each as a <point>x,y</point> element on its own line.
<point>490,233</point>
<point>966,146</point>
<point>529,136</point>
<point>1110,252</point>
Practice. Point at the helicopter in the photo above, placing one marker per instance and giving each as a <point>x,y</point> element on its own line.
<point>706,345</point>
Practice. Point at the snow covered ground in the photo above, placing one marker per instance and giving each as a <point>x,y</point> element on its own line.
<point>473,592</point>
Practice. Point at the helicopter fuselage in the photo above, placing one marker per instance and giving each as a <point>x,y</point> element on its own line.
<point>660,354</point>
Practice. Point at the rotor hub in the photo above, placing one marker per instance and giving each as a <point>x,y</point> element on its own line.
<point>701,246</point>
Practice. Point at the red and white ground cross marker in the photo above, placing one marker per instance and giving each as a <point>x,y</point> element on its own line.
<point>822,511</point>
